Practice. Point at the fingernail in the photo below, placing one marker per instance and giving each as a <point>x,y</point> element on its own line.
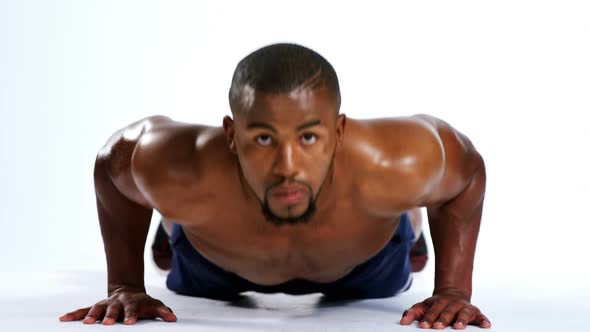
<point>438,323</point>
<point>460,323</point>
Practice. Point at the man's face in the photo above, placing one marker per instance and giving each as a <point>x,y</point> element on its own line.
<point>286,144</point>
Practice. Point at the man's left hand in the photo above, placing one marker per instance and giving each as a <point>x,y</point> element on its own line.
<point>444,308</point>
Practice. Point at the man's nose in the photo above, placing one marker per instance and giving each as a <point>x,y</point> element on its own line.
<point>285,161</point>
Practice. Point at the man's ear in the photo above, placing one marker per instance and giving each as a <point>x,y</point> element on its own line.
<point>228,127</point>
<point>340,126</point>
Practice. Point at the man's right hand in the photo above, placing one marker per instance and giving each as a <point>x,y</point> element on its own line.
<point>125,305</point>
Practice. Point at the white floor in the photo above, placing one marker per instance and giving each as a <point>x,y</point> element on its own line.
<point>33,302</point>
<point>513,76</point>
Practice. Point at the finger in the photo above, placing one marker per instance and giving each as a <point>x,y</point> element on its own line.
<point>130,314</point>
<point>482,321</point>
<point>74,315</point>
<point>166,314</point>
<point>408,317</point>
<point>447,315</point>
<point>94,314</point>
<point>464,317</point>
<point>112,314</point>
<point>416,312</point>
<point>432,313</point>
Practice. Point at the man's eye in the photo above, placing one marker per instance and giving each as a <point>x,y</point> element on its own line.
<point>263,140</point>
<point>308,139</point>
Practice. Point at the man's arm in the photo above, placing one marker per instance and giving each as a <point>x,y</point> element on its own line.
<point>454,227</point>
<point>124,216</point>
<point>124,223</point>
<point>454,209</point>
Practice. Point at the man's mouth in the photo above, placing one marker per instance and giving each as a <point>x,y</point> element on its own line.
<point>288,195</point>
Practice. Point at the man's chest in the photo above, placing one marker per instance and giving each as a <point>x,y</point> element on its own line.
<point>325,249</point>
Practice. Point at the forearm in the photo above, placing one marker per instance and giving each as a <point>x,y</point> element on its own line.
<point>124,225</point>
<point>454,228</point>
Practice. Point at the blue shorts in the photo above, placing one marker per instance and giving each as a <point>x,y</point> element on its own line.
<point>383,275</point>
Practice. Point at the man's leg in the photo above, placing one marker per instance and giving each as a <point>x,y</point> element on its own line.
<point>416,221</point>
<point>161,250</point>
<point>167,225</point>
<point>419,252</point>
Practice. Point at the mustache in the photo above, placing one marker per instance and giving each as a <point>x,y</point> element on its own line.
<point>296,183</point>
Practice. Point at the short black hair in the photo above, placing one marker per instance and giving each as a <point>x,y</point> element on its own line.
<point>282,68</point>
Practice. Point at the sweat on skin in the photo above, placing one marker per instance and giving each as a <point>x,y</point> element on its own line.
<point>324,191</point>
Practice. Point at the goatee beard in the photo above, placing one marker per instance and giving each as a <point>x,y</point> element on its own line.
<point>279,221</point>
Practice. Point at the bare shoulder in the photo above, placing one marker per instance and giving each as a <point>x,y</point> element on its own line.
<point>115,156</point>
<point>462,161</point>
<point>401,160</point>
<point>147,153</point>
<point>170,159</point>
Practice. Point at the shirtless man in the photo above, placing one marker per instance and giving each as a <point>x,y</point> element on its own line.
<point>289,196</point>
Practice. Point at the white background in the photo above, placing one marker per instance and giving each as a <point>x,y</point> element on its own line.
<point>514,76</point>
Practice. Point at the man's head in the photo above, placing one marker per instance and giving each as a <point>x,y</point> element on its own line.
<point>285,100</point>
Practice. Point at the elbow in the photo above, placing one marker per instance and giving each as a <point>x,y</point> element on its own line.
<point>101,175</point>
<point>100,165</point>
<point>479,167</point>
<point>476,186</point>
